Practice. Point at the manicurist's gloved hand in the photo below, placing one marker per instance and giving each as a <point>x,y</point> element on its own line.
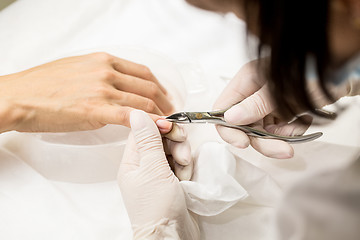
<point>177,149</point>
<point>152,194</point>
<point>251,103</point>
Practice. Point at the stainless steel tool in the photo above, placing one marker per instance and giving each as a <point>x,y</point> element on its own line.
<point>217,117</point>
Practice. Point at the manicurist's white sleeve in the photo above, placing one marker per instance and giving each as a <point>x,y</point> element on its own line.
<point>323,207</point>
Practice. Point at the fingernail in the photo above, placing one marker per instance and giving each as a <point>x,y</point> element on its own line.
<point>164,125</point>
<point>235,115</point>
<point>137,120</point>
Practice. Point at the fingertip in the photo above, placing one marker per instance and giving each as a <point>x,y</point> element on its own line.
<point>163,131</point>
<point>283,155</point>
<point>177,133</point>
<point>164,126</point>
<point>272,148</point>
<point>183,160</point>
<point>235,115</point>
<point>234,137</point>
<point>140,120</point>
<point>137,119</point>
<point>181,152</point>
<point>241,144</point>
<point>184,173</point>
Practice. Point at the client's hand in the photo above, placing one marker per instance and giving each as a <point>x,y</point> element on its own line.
<point>79,93</point>
<point>152,194</point>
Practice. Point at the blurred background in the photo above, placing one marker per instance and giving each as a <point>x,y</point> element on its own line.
<point>38,30</point>
<point>5,3</point>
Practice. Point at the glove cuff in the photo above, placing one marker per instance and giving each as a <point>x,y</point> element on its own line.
<point>354,87</point>
<point>167,229</point>
<point>163,229</point>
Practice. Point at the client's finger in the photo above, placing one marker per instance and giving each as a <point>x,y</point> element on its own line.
<point>184,173</point>
<point>163,125</point>
<point>135,69</point>
<point>177,133</point>
<point>141,87</point>
<point>180,151</point>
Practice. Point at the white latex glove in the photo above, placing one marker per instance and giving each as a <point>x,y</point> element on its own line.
<point>251,102</point>
<point>152,194</point>
<point>177,149</point>
<point>255,106</point>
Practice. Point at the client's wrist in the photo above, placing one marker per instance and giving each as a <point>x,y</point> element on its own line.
<point>10,117</point>
<point>10,113</point>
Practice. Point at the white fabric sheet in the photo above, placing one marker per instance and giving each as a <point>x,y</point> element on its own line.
<point>71,198</point>
<point>213,187</point>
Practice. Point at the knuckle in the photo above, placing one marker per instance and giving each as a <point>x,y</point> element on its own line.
<point>103,56</point>
<point>103,91</point>
<point>150,106</point>
<point>95,124</point>
<point>106,74</point>
<point>122,98</point>
<point>123,116</point>
<point>261,105</point>
<point>237,91</point>
<point>153,90</point>
<point>146,72</point>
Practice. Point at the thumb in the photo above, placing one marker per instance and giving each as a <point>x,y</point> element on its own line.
<point>147,138</point>
<point>251,109</point>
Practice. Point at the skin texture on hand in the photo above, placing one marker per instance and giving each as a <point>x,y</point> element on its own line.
<point>79,93</point>
<point>150,190</point>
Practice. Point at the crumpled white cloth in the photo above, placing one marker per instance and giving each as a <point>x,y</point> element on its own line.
<point>34,207</point>
<point>213,188</point>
